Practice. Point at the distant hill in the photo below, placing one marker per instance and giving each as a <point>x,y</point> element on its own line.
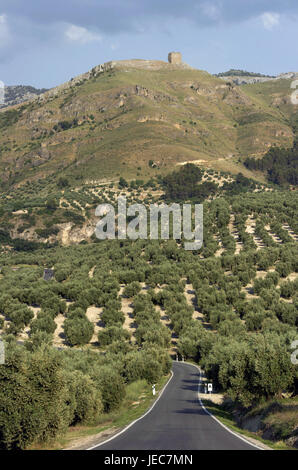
<point>241,73</point>
<point>20,93</point>
<point>141,118</point>
<point>242,77</point>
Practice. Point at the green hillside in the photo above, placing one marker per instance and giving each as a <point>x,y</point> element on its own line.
<point>92,340</point>
<point>115,121</point>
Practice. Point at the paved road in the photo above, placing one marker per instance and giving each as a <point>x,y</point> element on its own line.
<point>177,422</point>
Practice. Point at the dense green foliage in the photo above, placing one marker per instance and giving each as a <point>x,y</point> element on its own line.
<point>240,73</point>
<point>182,184</point>
<point>247,301</point>
<point>280,164</point>
<point>43,391</point>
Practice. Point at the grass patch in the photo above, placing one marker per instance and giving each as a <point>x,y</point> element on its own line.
<point>227,418</point>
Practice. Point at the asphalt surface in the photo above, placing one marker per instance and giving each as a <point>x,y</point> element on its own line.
<point>177,421</point>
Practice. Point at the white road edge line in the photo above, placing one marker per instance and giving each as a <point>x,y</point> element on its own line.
<point>136,420</point>
<point>159,396</point>
<point>218,421</point>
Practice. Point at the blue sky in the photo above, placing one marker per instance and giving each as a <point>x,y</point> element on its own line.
<point>44,43</point>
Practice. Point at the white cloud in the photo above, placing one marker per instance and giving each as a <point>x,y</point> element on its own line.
<point>80,34</point>
<point>270,20</point>
<point>4,31</point>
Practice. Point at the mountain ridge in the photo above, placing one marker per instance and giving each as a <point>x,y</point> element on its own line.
<point>242,77</point>
<point>17,94</point>
<point>119,116</point>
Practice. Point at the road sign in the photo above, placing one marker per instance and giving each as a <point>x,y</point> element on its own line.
<point>210,387</point>
<point>153,389</point>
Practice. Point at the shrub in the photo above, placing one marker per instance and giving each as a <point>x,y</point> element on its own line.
<point>132,289</point>
<point>111,317</point>
<point>85,400</point>
<point>43,322</point>
<point>113,333</point>
<point>111,386</point>
<point>37,339</point>
<point>32,397</point>
<point>78,331</point>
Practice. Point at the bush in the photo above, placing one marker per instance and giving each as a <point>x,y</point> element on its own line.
<point>182,184</point>
<point>152,372</point>
<point>111,386</point>
<point>122,183</point>
<point>19,314</point>
<point>258,367</point>
<point>85,400</point>
<point>44,322</point>
<point>132,289</point>
<point>37,339</point>
<point>113,333</point>
<point>111,317</point>
<point>147,364</point>
<point>78,331</point>
<point>32,397</point>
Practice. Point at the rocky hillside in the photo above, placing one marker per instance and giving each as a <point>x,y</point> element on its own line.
<point>242,77</point>
<point>119,117</point>
<point>18,94</point>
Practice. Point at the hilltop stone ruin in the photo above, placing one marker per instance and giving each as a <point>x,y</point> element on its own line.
<point>175,58</point>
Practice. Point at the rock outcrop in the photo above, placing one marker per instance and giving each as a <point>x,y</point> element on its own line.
<point>243,80</point>
<point>18,94</point>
